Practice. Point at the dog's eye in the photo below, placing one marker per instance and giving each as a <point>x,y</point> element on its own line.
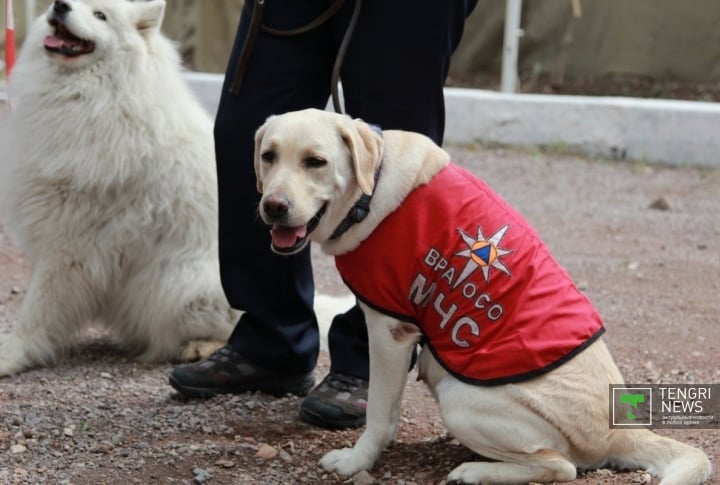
<point>268,157</point>
<point>99,15</point>
<point>315,162</point>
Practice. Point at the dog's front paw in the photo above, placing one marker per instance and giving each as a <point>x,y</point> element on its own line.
<point>12,357</point>
<point>196,350</point>
<point>347,461</point>
<point>480,472</point>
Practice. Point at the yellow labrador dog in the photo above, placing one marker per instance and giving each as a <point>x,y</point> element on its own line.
<point>512,350</point>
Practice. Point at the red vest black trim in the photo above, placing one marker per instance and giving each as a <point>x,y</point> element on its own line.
<point>457,260</point>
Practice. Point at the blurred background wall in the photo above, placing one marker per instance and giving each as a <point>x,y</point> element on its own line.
<point>663,39</point>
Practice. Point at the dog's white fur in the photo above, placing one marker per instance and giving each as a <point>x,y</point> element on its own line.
<point>539,430</point>
<point>111,192</point>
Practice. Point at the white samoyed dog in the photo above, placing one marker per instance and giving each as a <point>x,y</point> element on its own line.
<point>111,189</point>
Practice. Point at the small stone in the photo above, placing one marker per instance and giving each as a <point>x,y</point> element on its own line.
<point>69,431</point>
<point>104,448</point>
<point>18,449</point>
<point>660,204</point>
<point>267,452</point>
<point>225,463</point>
<point>201,475</point>
<point>644,478</point>
<point>363,478</point>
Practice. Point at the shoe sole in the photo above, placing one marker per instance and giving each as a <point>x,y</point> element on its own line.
<point>318,420</point>
<point>300,388</point>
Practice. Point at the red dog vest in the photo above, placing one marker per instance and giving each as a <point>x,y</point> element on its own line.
<point>492,303</point>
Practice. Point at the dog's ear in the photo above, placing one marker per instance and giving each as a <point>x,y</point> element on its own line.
<point>366,149</point>
<point>258,141</point>
<point>150,15</point>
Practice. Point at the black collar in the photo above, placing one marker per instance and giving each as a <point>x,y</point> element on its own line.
<point>361,208</point>
<point>357,212</point>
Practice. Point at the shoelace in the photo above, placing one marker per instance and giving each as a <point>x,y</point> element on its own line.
<point>343,383</point>
<point>221,353</point>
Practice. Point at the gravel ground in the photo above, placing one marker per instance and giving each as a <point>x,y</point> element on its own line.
<point>99,418</point>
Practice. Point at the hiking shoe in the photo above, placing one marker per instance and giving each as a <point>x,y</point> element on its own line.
<point>228,372</point>
<point>339,401</point>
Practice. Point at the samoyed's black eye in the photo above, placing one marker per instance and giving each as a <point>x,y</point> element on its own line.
<point>99,15</point>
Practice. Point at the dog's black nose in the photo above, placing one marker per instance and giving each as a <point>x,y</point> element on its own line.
<point>276,206</point>
<point>61,7</point>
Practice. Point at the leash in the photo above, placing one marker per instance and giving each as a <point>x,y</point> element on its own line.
<point>256,25</point>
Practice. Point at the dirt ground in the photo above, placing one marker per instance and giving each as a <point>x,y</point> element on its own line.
<point>654,274</point>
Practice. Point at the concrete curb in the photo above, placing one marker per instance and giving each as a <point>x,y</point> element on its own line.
<point>648,130</point>
<point>656,131</point>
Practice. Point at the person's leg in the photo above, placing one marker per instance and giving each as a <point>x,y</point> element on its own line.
<point>393,76</point>
<point>278,331</point>
<point>339,401</point>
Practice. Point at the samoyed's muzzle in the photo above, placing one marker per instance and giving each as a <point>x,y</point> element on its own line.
<point>63,41</point>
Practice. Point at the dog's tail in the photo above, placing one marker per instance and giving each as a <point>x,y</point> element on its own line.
<point>674,462</point>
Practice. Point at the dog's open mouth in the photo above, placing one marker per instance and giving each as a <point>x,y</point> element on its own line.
<point>290,240</point>
<point>65,43</point>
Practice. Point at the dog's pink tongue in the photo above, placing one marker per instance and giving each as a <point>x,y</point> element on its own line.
<point>286,237</point>
<point>53,42</point>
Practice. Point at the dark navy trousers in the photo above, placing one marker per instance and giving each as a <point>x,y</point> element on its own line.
<point>393,75</point>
